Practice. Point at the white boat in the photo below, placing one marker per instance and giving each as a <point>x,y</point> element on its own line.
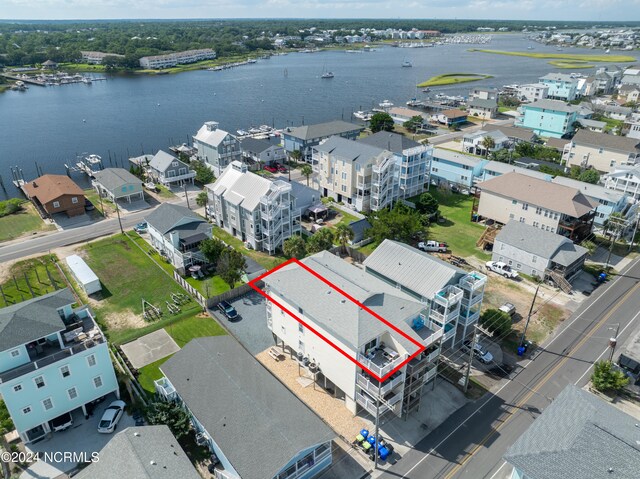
<point>86,80</point>
<point>241,132</point>
<point>327,75</point>
<point>407,64</point>
<point>607,50</point>
<point>385,104</point>
<point>252,60</point>
<point>362,115</point>
<point>426,90</point>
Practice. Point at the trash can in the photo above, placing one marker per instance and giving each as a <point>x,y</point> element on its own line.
<point>521,350</point>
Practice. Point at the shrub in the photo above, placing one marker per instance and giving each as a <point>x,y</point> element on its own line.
<point>606,379</point>
<point>10,207</point>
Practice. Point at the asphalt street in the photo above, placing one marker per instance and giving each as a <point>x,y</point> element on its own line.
<point>471,443</point>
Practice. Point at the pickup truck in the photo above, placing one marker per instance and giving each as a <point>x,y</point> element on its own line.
<point>501,268</point>
<point>436,246</point>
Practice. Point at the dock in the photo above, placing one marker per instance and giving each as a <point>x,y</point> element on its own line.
<point>25,79</point>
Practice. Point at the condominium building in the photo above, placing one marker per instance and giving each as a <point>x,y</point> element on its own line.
<point>550,118</point>
<point>157,62</point>
<point>533,92</point>
<point>53,360</point>
<point>601,151</point>
<point>304,138</point>
<point>562,86</point>
<point>260,212</point>
<point>216,148</point>
<point>356,349</point>
<point>624,179</point>
<point>96,58</point>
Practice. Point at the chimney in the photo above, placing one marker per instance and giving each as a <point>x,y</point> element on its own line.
<point>211,125</point>
<point>175,239</point>
<point>35,185</point>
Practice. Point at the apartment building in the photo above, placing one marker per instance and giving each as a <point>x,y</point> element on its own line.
<point>216,147</point>
<point>96,58</point>
<point>359,174</point>
<point>550,206</point>
<point>304,138</point>
<point>158,62</point>
<point>413,158</point>
<point>562,86</point>
<point>260,212</point>
<point>533,92</point>
<point>550,118</point>
<point>624,179</point>
<point>366,342</point>
<point>601,151</point>
<point>53,360</point>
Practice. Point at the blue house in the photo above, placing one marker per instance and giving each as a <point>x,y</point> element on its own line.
<point>550,118</point>
<point>454,168</point>
<point>53,360</point>
<point>256,427</point>
<point>305,137</point>
<point>561,86</point>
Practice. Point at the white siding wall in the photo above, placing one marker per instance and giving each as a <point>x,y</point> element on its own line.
<point>521,260</point>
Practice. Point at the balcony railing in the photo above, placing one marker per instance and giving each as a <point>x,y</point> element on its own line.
<point>165,388</point>
<point>443,318</point>
<point>449,334</point>
<point>171,179</point>
<point>470,318</point>
<point>377,369</point>
<point>476,298</point>
<point>385,405</point>
<point>430,374</point>
<point>473,281</point>
<point>372,388</point>
<point>448,296</point>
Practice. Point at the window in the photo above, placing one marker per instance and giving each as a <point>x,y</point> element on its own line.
<point>174,164</point>
<point>74,200</point>
<point>26,410</point>
<point>511,216</point>
<point>300,347</point>
<point>17,388</point>
<point>64,370</point>
<point>534,259</point>
<point>521,219</point>
<point>97,382</point>
<point>56,204</point>
<point>518,265</point>
<point>47,404</point>
<point>536,224</point>
<point>525,206</point>
<point>514,202</point>
<point>300,328</point>
<point>39,382</point>
<point>73,393</point>
<point>15,353</point>
<point>91,360</point>
<point>300,310</point>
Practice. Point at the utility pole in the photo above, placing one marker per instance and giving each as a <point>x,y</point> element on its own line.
<point>526,325</point>
<point>613,342</point>
<point>118,213</point>
<point>470,360</point>
<point>186,195</point>
<point>375,446</point>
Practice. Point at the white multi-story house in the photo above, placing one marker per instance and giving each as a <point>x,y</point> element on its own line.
<point>157,62</point>
<point>216,148</point>
<point>474,142</point>
<point>531,92</point>
<point>413,158</point>
<point>624,179</point>
<point>361,175</point>
<point>365,342</point>
<point>260,212</point>
<point>53,360</point>
<point>601,151</point>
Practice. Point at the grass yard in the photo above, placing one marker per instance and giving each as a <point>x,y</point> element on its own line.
<point>215,283</point>
<point>457,230</point>
<point>150,373</point>
<point>21,223</point>
<point>263,259</point>
<point>164,192</point>
<point>346,217</point>
<point>561,56</point>
<point>108,206</point>
<point>453,78</point>
<point>33,273</point>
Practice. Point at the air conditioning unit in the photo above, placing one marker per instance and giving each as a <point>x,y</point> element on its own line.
<point>202,439</point>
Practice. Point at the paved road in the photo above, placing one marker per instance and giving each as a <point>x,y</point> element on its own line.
<point>470,444</point>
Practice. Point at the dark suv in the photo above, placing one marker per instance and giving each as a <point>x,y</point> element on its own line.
<point>228,310</point>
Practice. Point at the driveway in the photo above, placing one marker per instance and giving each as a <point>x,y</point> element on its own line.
<point>251,329</point>
<point>83,437</point>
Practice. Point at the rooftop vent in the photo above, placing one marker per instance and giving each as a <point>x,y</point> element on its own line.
<point>152,462</point>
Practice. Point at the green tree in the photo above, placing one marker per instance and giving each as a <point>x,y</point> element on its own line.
<point>212,249</point>
<point>574,172</point>
<point>606,379</point>
<point>296,155</point>
<point>204,175</point>
<point>590,246</point>
<point>398,224</point>
<point>321,240</point>
<point>6,424</point>
<point>496,321</point>
<point>414,123</point>
<point>488,144</point>
<point>381,121</point>
<point>171,414</point>
<point>590,176</point>
<point>295,247</point>
<point>344,234</point>
<point>306,170</point>
<point>9,207</point>
<point>230,266</point>
<point>427,204</point>
<point>202,199</point>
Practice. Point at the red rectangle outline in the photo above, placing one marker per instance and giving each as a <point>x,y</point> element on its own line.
<point>421,347</point>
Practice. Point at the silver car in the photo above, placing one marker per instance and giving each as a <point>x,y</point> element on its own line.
<point>111,416</point>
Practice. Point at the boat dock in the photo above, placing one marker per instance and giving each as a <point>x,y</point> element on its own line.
<point>25,79</point>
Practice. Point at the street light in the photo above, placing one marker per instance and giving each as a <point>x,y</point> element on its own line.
<point>613,341</point>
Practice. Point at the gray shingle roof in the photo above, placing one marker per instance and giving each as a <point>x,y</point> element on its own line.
<point>512,132</point>
<point>162,160</point>
<point>578,436</point>
<point>33,319</point>
<point>456,157</point>
<point>606,141</point>
<point>389,141</point>
<point>555,105</point>
<point>115,178</point>
<point>255,146</point>
<point>259,424</point>
<point>482,103</point>
<point>344,319</point>
<point>323,130</point>
<point>351,151</point>
<point>541,243</point>
<point>148,452</point>
<point>165,217</point>
<point>564,77</point>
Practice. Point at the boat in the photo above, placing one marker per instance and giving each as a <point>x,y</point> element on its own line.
<point>86,80</point>
<point>252,60</point>
<point>241,132</point>
<point>90,164</point>
<point>362,115</point>
<point>327,75</point>
<point>407,64</point>
<point>426,90</point>
<point>607,50</point>
<point>385,104</point>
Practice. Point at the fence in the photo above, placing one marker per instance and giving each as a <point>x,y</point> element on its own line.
<point>354,254</point>
<point>231,294</point>
<point>190,289</point>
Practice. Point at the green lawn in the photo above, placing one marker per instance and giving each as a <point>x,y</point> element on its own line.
<point>457,230</point>
<point>19,224</point>
<point>150,373</point>
<point>17,290</point>
<point>216,285</point>
<point>164,192</point>
<point>346,217</point>
<point>263,259</point>
<point>92,195</point>
<point>150,251</point>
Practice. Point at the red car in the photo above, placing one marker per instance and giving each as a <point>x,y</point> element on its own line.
<point>271,169</point>
<point>282,168</point>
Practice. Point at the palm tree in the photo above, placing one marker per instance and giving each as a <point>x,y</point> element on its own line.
<point>488,143</point>
<point>306,170</point>
<point>201,200</point>
<point>344,234</point>
<point>296,155</point>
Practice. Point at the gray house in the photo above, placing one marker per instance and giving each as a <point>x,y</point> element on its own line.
<point>147,452</point>
<point>117,184</point>
<point>216,148</point>
<point>535,251</point>
<point>169,170</point>
<point>578,436</point>
<point>262,152</point>
<point>253,423</point>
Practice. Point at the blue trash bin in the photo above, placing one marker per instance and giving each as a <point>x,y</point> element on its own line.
<point>521,350</point>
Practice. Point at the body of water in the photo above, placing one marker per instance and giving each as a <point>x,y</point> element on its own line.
<point>127,115</point>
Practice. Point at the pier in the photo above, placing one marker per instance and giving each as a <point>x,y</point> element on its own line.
<point>25,79</point>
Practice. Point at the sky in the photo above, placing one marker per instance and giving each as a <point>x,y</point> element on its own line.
<point>588,10</point>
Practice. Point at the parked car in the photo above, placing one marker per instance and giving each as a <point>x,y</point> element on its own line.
<point>88,206</point>
<point>62,422</point>
<point>437,246</point>
<point>228,310</point>
<point>111,417</point>
<point>271,169</point>
<point>141,227</point>
<point>502,268</point>
<point>479,352</point>
<point>508,308</point>
<point>150,185</point>
<point>282,168</point>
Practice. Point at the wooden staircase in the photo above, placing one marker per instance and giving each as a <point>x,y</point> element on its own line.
<point>559,280</point>
<point>488,237</point>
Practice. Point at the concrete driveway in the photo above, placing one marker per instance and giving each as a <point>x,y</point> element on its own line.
<point>83,437</point>
<point>251,329</point>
